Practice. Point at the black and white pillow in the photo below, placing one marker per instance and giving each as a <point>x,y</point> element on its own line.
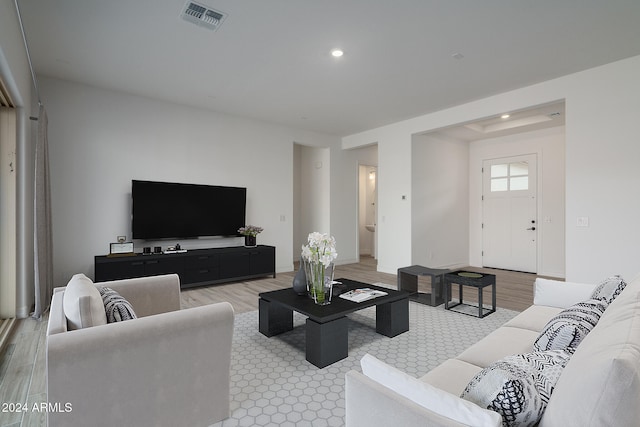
<point>569,327</point>
<point>518,387</point>
<point>116,307</point>
<point>609,289</point>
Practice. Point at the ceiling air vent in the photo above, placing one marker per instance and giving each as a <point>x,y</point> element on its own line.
<point>203,16</point>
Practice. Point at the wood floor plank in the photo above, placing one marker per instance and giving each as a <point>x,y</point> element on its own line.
<point>14,389</point>
<point>38,417</point>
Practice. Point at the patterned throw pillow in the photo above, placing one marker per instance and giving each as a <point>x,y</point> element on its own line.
<point>116,307</point>
<point>569,327</point>
<point>609,289</point>
<point>518,387</point>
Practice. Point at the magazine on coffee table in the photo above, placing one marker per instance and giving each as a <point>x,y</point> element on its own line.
<point>363,294</point>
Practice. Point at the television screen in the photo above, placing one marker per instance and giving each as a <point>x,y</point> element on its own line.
<point>164,210</point>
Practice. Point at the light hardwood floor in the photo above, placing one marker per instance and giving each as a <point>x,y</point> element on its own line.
<point>22,364</point>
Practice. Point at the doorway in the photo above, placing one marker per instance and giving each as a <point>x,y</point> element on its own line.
<point>367,209</point>
<point>509,213</point>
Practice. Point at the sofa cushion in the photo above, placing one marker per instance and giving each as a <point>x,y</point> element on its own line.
<point>570,326</point>
<point>609,289</point>
<point>534,318</point>
<point>452,375</point>
<point>427,396</point>
<point>502,342</point>
<point>116,307</point>
<point>82,304</point>
<point>518,387</point>
<point>602,381</point>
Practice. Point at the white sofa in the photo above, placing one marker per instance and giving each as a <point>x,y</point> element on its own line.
<point>599,386</point>
<point>168,367</point>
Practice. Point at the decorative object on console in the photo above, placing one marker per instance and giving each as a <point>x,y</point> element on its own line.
<point>250,232</point>
<point>177,249</point>
<point>299,284</point>
<point>318,256</point>
<point>121,249</point>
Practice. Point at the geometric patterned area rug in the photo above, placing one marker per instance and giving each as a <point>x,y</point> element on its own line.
<point>272,384</point>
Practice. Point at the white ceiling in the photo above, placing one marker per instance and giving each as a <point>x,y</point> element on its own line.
<point>270,60</point>
<point>530,119</point>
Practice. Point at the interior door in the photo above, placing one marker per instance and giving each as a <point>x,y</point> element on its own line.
<point>509,213</point>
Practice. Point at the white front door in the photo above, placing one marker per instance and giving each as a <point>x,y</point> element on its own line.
<point>509,219</point>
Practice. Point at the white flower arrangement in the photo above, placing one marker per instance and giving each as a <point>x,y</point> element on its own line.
<point>320,248</point>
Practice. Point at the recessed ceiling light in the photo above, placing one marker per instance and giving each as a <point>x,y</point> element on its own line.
<point>337,53</point>
<point>505,116</point>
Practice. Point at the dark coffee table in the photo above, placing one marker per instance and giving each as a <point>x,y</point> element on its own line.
<point>327,325</point>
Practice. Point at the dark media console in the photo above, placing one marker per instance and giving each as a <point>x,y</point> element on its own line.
<point>196,267</point>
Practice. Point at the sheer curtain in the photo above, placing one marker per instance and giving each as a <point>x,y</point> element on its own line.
<point>43,242</point>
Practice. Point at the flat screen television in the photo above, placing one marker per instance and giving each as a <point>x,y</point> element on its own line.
<point>163,210</point>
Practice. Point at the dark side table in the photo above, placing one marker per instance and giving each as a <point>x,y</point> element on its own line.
<point>408,281</point>
<point>474,279</point>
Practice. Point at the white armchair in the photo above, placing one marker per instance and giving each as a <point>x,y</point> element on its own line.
<point>168,367</point>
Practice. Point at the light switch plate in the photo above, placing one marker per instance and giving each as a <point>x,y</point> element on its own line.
<point>582,221</point>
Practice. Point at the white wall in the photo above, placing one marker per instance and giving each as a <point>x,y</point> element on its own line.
<point>100,140</point>
<point>549,146</point>
<point>394,202</point>
<point>440,202</point>
<point>313,175</point>
<point>15,72</point>
<point>8,210</point>
<point>602,107</point>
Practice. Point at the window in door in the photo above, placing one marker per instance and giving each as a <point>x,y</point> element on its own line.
<point>510,176</point>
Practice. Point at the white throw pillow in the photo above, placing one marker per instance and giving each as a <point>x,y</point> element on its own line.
<point>518,387</point>
<point>555,293</point>
<point>428,396</point>
<point>82,304</point>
